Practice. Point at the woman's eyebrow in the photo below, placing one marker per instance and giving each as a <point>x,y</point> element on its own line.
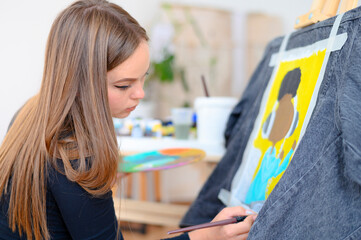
<point>125,80</point>
<point>130,78</point>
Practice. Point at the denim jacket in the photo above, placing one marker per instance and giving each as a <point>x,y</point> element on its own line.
<point>319,194</point>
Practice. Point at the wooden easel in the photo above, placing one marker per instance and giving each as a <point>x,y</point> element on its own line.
<point>323,9</point>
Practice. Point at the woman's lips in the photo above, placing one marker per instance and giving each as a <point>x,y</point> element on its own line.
<point>130,109</point>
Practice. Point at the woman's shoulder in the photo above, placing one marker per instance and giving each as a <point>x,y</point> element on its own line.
<point>58,180</point>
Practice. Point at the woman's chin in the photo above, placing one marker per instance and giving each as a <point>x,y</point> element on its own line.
<point>121,115</point>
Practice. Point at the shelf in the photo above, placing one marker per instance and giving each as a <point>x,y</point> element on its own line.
<point>155,213</point>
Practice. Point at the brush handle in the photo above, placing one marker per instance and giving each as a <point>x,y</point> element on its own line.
<point>211,224</point>
<point>205,86</point>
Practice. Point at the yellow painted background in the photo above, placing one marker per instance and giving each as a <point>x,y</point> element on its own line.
<point>310,69</point>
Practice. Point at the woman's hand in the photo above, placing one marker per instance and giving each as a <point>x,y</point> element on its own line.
<point>230,231</point>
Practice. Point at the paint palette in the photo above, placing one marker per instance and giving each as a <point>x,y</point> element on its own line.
<point>160,159</point>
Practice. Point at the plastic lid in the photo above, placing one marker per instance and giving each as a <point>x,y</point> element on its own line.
<point>215,102</point>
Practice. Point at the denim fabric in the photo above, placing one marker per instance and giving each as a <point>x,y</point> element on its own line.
<point>319,195</point>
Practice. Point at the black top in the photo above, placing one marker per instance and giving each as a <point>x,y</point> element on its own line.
<point>72,213</point>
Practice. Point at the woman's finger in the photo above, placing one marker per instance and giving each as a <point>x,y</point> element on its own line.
<point>240,228</point>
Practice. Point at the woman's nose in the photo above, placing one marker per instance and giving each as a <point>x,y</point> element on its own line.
<point>138,91</point>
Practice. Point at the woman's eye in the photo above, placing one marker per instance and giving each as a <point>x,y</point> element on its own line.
<point>123,87</point>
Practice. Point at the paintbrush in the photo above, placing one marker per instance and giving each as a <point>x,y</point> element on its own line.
<point>211,224</point>
<point>205,86</point>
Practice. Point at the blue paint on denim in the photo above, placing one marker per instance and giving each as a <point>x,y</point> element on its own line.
<point>271,167</point>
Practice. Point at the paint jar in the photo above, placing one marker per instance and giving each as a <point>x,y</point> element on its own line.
<point>182,122</point>
<point>212,117</point>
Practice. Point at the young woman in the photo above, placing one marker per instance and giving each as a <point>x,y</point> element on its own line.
<point>59,158</point>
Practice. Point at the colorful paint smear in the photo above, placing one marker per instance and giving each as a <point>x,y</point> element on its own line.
<point>159,160</point>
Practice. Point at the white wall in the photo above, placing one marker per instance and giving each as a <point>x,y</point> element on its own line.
<point>24,26</point>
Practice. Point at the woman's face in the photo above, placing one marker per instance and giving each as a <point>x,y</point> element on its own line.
<point>125,82</point>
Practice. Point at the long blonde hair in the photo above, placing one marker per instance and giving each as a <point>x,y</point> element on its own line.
<point>69,118</point>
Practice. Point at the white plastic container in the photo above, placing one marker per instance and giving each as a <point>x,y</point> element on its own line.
<point>212,117</point>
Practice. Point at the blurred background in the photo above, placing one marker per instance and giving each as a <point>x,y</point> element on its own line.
<point>222,40</point>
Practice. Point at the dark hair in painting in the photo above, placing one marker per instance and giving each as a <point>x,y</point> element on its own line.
<point>290,83</point>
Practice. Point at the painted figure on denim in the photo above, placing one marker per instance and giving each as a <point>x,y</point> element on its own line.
<point>279,125</point>
<point>283,115</point>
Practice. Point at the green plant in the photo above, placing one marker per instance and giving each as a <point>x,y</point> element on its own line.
<point>164,70</point>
